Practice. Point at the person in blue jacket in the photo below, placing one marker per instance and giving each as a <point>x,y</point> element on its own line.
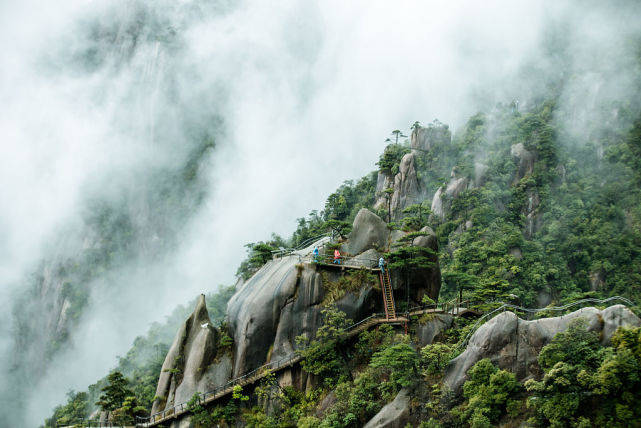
<point>381,264</point>
<point>315,254</point>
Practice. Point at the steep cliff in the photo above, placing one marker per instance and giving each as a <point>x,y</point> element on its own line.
<point>193,362</point>
<point>281,301</point>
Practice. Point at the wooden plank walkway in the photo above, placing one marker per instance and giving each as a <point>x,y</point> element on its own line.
<point>253,377</point>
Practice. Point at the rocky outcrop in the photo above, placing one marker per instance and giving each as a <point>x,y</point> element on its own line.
<point>514,344</point>
<point>442,200</point>
<point>405,187</point>
<point>423,281</point>
<point>525,159</point>
<point>368,231</point>
<point>404,184</point>
<point>367,259</point>
<point>432,328</point>
<point>533,218</point>
<point>280,302</point>
<point>393,415</point>
<point>426,138</point>
<point>190,364</point>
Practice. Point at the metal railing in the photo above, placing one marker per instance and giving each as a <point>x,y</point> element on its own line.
<point>306,243</point>
<point>249,377</point>
<point>565,307</point>
<point>328,259</point>
<point>374,319</point>
<point>88,423</point>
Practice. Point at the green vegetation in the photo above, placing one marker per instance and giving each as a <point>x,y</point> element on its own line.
<point>544,215</point>
<point>586,385</point>
<point>353,281</point>
<point>140,367</point>
<point>203,418</point>
<point>258,254</point>
<point>490,394</point>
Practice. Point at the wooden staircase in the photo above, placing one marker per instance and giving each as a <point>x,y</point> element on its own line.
<point>388,295</point>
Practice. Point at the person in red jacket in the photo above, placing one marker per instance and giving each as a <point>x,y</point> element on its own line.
<point>337,256</point>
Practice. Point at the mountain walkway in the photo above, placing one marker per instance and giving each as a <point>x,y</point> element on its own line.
<point>454,308</point>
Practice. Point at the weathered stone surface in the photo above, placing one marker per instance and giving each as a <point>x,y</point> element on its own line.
<point>533,218</point>
<point>454,187</point>
<point>396,236</point>
<point>438,208</point>
<point>280,302</point>
<point>426,138</point>
<point>525,159</point>
<point>254,311</point>
<point>384,181</point>
<point>367,258</point>
<point>426,281</point>
<point>405,187</point>
<point>394,414</point>
<point>325,404</point>
<point>430,330</point>
<point>192,351</point>
<point>597,280</point>
<point>514,344</point>
<point>368,231</point>
<point>183,422</point>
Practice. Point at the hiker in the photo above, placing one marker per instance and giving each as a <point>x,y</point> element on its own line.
<point>381,264</point>
<point>315,254</point>
<point>337,256</point>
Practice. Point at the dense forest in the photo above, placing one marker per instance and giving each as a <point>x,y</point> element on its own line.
<point>531,203</point>
<point>546,218</point>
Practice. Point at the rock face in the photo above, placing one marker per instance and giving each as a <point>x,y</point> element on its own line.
<point>525,158</point>
<point>367,258</point>
<point>368,231</point>
<point>188,365</point>
<point>424,281</point>
<point>430,330</point>
<point>425,138</point>
<point>394,414</point>
<point>514,344</point>
<point>455,186</point>
<point>405,186</point>
<point>282,301</point>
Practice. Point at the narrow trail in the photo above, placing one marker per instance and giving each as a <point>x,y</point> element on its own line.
<point>461,309</point>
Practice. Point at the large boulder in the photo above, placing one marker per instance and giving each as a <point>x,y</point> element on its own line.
<point>514,344</point>
<point>368,231</point>
<point>187,367</point>
<point>442,200</point>
<point>432,328</point>
<point>426,281</point>
<point>368,259</point>
<point>281,301</point>
<point>393,415</point>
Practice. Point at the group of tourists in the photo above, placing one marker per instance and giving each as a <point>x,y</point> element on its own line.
<point>337,258</point>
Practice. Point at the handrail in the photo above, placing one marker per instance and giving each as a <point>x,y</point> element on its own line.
<point>306,243</point>
<point>228,387</point>
<point>287,361</point>
<point>505,306</point>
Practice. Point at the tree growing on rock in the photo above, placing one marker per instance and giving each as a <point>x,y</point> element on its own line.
<point>114,394</point>
<point>325,356</point>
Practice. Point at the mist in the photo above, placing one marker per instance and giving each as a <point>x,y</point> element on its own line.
<point>102,100</point>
